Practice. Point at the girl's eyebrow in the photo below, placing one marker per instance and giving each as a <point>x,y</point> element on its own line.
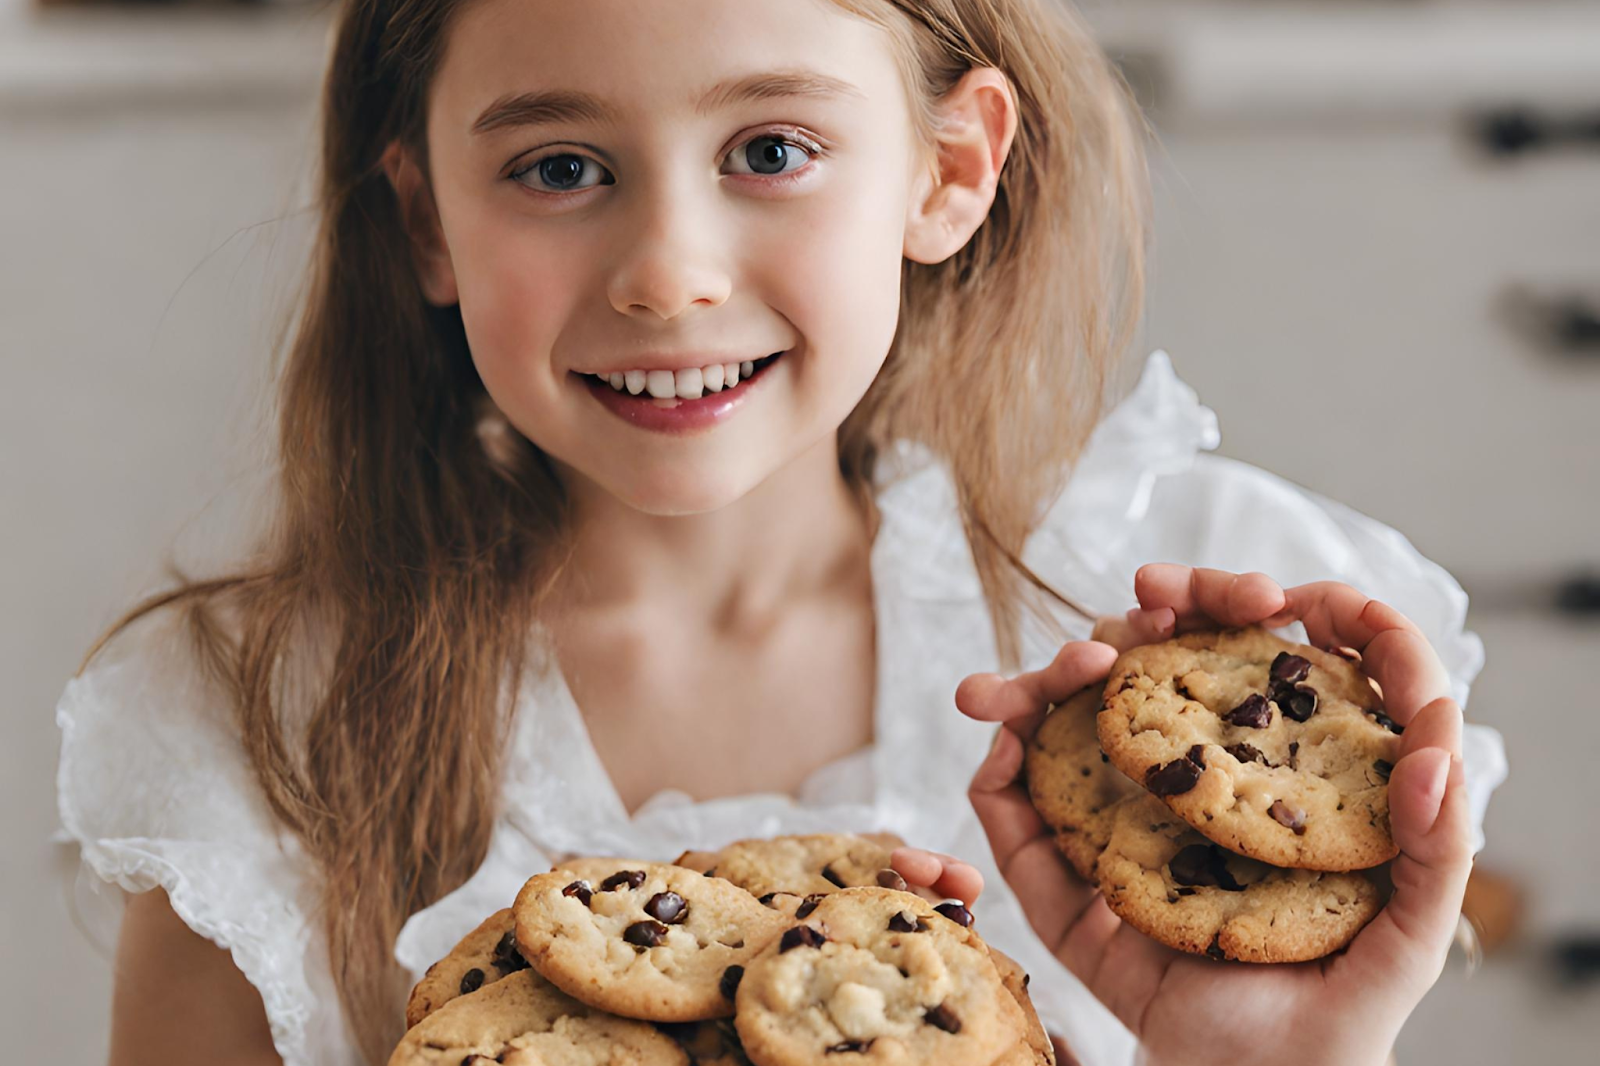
<point>563,105</point>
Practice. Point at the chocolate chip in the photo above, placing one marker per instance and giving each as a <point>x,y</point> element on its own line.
<point>943,1017</point>
<point>766,901</point>
<point>831,877</point>
<point>1289,669</point>
<point>1388,723</point>
<point>1299,703</point>
<point>710,873</point>
<point>1294,751</point>
<point>906,922</point>
<point>582,891</point>
<point>859,1046</point>
<point>808,905</point>
<point>1245,753</point>
<point>956,913</point>
<point>471,981</point>
<point>1254,713</point>
<point>1384,768</point>
<point>1287,816</point>
<point>1205,865</point>
<point>1175,778</point>
<point>1104,757</point>
<point>801,936</point>
<point>645,934</point>
<point>1197,755</point>
<point>730,981</point>
<point>668,907</point>
<point>622,879</point>
<point>507,959</point>
<point>892,879</point>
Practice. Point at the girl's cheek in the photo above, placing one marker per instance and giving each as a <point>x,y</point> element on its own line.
<point>841,285</point>
<point>516,294</point>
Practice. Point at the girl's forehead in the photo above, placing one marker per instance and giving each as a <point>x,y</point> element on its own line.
<point>606,61</point>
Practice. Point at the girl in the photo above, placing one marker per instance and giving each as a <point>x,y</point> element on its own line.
<point>681,408</point>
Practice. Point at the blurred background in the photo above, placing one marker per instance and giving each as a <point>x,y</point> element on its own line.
<point>1384,214</point>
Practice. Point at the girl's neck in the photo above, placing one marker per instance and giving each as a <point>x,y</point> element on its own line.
<point>800,533</point>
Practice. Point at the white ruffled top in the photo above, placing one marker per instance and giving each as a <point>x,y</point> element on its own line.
<point>155,788</point>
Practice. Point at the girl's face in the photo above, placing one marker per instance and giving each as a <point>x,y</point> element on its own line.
<point>661,195</point>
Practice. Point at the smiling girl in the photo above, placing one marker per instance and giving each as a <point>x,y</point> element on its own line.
<point>688,396</point>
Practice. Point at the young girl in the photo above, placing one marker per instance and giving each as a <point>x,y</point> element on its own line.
<point>683,405</point>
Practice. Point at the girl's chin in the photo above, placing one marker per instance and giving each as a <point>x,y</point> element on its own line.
<point>682,493</point>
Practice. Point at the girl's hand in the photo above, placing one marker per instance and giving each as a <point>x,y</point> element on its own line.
<point>1346,1008</point>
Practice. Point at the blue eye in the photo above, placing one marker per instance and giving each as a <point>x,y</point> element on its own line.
<point>560,173</point>
<point>769,153</point>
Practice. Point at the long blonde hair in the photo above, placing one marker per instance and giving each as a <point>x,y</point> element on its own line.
<point>416,534</point>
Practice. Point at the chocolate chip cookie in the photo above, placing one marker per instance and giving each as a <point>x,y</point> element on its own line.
<point>813,864</point>
<point>523,1021</point>
<point>879,974</point>
<point>1274,750</point>
<point>1174,885</point>
<point>646,940</point>
<point>1073,787</point>
<point>483,957</point>
<point>1015,981</point>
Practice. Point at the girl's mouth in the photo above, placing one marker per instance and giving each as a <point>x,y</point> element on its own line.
<point>682,401</point>
<point>670,387</point>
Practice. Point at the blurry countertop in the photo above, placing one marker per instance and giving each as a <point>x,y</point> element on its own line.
<point>1206,59</point>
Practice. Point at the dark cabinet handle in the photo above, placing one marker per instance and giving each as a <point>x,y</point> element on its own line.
<point>1516,132</point>
<point>1579,595</point>
<point>1563,324</point>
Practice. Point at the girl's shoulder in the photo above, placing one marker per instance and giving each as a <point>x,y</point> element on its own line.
<point>155,789</point>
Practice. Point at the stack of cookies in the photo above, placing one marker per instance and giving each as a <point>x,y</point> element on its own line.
<point>796,951</point>
<point>1228,792</point>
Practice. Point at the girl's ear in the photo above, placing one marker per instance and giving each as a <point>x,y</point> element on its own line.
<point>420,216</point>
<point>951,199</point>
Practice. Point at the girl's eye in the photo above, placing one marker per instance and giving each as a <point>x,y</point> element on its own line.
<point>559,173</point>
<point>769,153</point>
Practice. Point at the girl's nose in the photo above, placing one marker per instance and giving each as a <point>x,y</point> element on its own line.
<point>669,262</point>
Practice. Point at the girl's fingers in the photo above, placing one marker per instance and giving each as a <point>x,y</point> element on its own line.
<point>1138,627</point>
<point>1407,670</point>
<point>1201,597</point>
<point>946,875</point>
<point>1337,614</point>
<point>1394,653</point>
<point>1024,698</point>
<point>1432,825</point>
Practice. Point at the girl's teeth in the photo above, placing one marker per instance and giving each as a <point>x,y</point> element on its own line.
<point>662,384</point>
<point>690,383</point>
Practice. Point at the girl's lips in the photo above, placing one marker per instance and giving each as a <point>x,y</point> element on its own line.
<point>677,416</point>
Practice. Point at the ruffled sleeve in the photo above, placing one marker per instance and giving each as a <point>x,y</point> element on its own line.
<point>1147,491</point>
<point>155,788</point>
